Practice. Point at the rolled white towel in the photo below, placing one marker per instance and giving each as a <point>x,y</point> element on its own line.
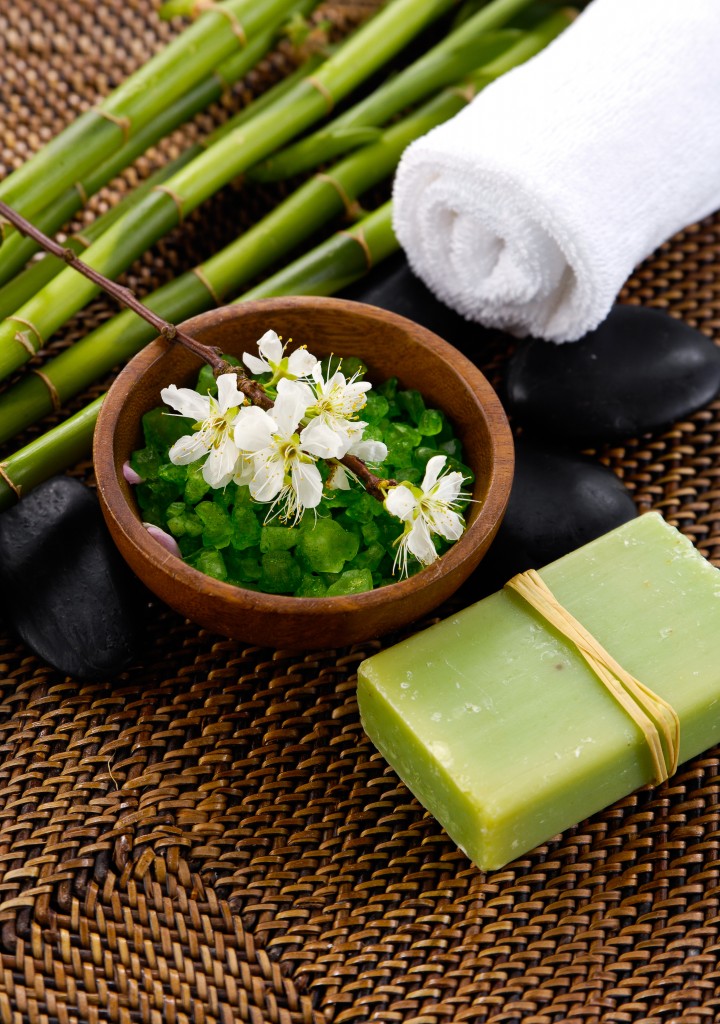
<point>529,209</point>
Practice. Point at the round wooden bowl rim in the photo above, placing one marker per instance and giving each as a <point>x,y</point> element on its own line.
<point>108,472</point>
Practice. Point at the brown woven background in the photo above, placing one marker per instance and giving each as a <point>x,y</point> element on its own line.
<point>211,837</point>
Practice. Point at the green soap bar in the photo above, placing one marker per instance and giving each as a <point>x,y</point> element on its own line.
<point>501,730</point>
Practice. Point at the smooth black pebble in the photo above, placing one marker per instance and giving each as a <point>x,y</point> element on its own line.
<point>394,287</point>
<point>64,586</point>
<point>640,370</point>
<point>558,503</point>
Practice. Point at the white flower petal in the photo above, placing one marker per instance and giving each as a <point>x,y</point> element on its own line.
<point>448,487</point>
<point>319,439</point>
<point>256,365</point>
<point>420,543</point>
<point>449,525</point>
<point>307,483</point>
<point>296,387</point>
<point>433,470</point>
<point>369,451</point>
<point>228,394</point>
<point>301,362</point>
<point>268,480</point>
<point>290,407</point>
<point>401,502</point>
<point>188,449</point>
<point>270,346</point>
<point>244,470</point>
<point>337,479</point>
<point>254,429</point>
<point>220,464</point>
<point>187,402</point>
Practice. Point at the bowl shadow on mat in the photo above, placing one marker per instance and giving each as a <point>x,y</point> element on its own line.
<point>390,345</point>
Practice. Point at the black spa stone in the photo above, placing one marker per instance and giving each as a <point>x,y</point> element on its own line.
<point>63,585</point>
<point>640,370</point>
<point>558,502</point>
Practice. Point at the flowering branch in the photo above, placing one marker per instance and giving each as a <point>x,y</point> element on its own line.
<point>374,485</point>
<point>273,447</point>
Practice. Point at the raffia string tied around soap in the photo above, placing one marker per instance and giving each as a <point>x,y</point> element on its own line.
<point>653,715</point>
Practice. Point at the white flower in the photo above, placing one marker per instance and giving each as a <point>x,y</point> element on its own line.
<point>368,451</point>
<point>299,364</point>
<point>215,419</point>
<point>426,510</point>
<point>284,468</point>
<point>334,412</point>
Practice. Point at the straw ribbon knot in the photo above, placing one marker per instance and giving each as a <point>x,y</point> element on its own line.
<point>653,715</point>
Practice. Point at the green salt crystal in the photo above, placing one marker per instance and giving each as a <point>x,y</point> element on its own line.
<point>430,423</point>
<point>311,586</point>
<point>225,497</point>
<point>196,486</point>
<point>163,428</point>
<point>173,474</point>
<point>242,566</point>
<point>354,581</point>
<point>402,434</point>
<point>371,532</point>
<point>182,521</point>
<point>280,573</point>
<point>217,528</point>
<point>363,510</point>
<point>278,538</point>
<point>422,456</point>
<point>146,463</point>
<point>325,546</point>
<point>388,388</point>
<point>246,529</point>
<point>189,545</point>
<point>211,562</point>
<point>376,408</point>
<point>411,403</point>
<point>370,557</point>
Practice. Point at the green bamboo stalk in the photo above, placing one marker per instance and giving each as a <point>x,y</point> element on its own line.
<point>92,137</point>
<point>333,265</point>
<point>277,234</point>
<point>476,42</point>
<point>359,56</point>
<point>337,263</point>
<point>52,452</point>
<point>30,281</point>
<point>17,249</point>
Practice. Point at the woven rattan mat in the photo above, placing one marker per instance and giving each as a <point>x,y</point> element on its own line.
<point>211,837</point>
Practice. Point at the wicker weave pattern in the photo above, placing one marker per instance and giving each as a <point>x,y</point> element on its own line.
<point>212,838</point>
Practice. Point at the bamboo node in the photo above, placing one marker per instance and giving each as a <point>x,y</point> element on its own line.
<point>15,488</point>
<point>353,209</point>
<point>236,25</point>
<point>123,123</point>
<point>359,237</point>
<point>80,189</point>
<point>197,271</point>
<point>175,198</point>
<point>22,337</point>
<point>648,710</point>
<point>323,90</point>
<point>52,390</point>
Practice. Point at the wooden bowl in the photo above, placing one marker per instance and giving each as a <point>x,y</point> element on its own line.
<point>391,346</point>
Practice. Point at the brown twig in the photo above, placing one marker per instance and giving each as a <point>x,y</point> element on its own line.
<point>374,485</point>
